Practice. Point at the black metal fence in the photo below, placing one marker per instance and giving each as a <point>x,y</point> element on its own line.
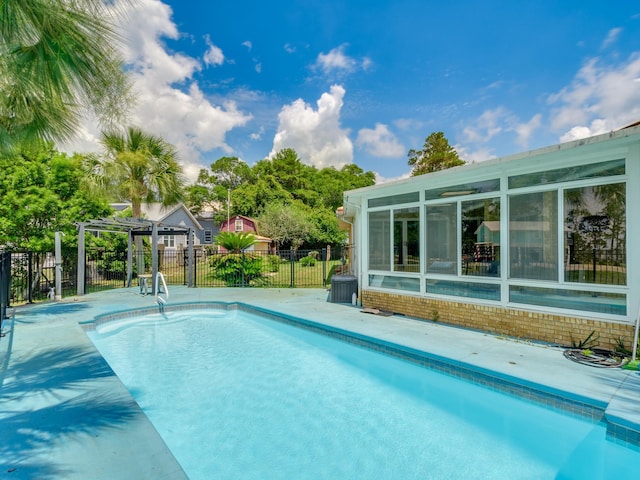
<point>601,266</point>
<point>27,277</point>
<point>5,284</point>
<point>283,268</point>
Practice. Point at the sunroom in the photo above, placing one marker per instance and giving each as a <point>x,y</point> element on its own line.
<point>524,245</point>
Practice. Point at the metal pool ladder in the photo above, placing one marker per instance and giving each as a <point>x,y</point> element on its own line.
<point>162,300</point>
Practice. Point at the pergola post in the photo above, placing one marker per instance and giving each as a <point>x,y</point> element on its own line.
<point>191,259</point>
<point>129,258</point>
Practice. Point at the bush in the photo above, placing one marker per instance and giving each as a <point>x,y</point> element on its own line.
<point>273,263</point>
<point>231,267</point>
<point>308,261</point>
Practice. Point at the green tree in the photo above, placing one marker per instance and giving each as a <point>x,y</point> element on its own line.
<point>140,168</point>
<point>326,230</point>
<point>226,172</point>
<point>331,183</point>
<point>282,183</point>
<point>286,224</point>
<point>57,59</point>
<point>213,186</point>
<point>435,155</point>
<point>251,199</point>
<point>41,191</point>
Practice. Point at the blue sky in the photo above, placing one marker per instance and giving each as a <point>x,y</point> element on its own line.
<point>364,81</point>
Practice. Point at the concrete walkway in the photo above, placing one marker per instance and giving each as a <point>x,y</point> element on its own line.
<point>64,414</point>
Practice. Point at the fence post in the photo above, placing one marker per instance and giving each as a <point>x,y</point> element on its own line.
<point>324,267</point>
<point>124,269</point>
<point>195,268</point>
<point>293,267</point>
<point>184,267</point>
<point>5,284</point>
<point>30,278</point>
<point>242,269</point>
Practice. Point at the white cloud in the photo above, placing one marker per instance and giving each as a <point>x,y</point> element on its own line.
<point>336,61</point>
<point>315,135</point>
<point>486,126</point>
<point>599,99</point>
<point>596,127</point>
<point>289,48</point>
<point>213,55</point>
<point>526,130</point>
<point>380,179</point>
<point>170,102</point>
<point>611,38</point>
<point>380,142</point>
<point>474,155</point>
<point>484,131</point>
<point>248,44</point>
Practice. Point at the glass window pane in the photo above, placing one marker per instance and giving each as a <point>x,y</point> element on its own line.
<point>406,240</point>
<point>533,236</point>
<point>611,303</point>
<point>595,240</point>
<point>442,241</point>
<point>485,291</point>
<point>464,189</point>
<point>395,283</point>
<point>594,170</point>
<point>481,237</point>
<point>394,199</point>
<point>380,240</point>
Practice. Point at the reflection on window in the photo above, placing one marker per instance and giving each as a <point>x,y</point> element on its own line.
<point>406,240</point>
<point>581,172</point>
<point>611,303</point>
<point>442,242</point>
<point>595,240</point>
<point>463,189</point>
<point>533,236</point>
<point>379,240</point>
<point>484,291</point>
<point>481,237</point>
<point>395,283</point>
<point>394,199</point>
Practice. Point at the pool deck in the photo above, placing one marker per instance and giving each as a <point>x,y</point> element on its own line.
<point>64,413</point>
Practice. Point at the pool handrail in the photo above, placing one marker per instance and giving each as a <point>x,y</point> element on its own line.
<point>165,290</point>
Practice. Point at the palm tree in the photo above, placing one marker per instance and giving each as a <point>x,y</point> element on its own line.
<point>235,242</point>
<point>235,267</point>
<point>57,59</point>
<point>141,168</point>
<point>138,167</point>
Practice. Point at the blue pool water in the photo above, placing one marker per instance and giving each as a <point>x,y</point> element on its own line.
<point>238,396</point>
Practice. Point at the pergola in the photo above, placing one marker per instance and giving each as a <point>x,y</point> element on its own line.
<point>133,227</point>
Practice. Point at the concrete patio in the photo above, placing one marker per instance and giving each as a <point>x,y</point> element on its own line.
<point>64,413</point>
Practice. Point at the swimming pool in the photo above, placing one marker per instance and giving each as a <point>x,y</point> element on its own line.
<point>236,395</point>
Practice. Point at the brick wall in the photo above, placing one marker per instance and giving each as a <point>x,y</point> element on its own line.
<point>552,328</point>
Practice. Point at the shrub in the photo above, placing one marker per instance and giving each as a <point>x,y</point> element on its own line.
<point>308,261</point>
<point>273,263</point>
<point>231,267</point>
